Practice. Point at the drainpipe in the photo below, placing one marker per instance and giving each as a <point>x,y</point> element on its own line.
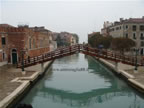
<point>136,66</point>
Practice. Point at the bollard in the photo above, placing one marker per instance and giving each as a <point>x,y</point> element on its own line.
<point>116,66</point>
<point>42,68</point>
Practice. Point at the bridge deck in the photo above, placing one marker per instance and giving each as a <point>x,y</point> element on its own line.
<point>65,51</point>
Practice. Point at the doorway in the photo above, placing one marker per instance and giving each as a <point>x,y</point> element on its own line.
<point>14,56</point>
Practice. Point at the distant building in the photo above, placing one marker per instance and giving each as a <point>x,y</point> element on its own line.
<point>105,29</point>
<point>15,40</point>
<point>132,28</point>
<point>65,38</point>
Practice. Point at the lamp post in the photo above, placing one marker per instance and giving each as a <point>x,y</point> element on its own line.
<point>24,51</point>
<point>22,61</point>
<point>136,66</point>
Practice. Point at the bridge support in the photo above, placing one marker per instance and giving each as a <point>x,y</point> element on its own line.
<point>116,65</point>
<point>42,67</point>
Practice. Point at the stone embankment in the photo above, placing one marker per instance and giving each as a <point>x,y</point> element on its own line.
<point>14,83</point>
<point>134,78</point>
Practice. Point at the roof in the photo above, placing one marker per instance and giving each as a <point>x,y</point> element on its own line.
<point>6,25</point>
<point>134,20</point>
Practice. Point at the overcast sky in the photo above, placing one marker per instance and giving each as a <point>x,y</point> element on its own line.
<point>76,16</point>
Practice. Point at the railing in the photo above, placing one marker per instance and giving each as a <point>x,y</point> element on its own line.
<point>60,52</point>
<point>69,50</point>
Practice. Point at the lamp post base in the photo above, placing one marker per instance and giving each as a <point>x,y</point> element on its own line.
<point>135,71</point>
<point>23,72</point>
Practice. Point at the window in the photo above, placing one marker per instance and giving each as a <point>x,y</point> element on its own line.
<point>117,28</point>
<point>29,43</point>
<point>126,35</point>
<point>134,35</point>
<point>134,27</point>
<point>41,43</point>
<point>142,43</point>
<point>3,56</point>
<point>126,26</point>
<point>120,27</point>
<point>34,43</point>
<point>142,27</point>
<point>3,41</point>
<point>142,36</point>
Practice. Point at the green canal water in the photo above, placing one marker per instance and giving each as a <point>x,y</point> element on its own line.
<point>79,81</point>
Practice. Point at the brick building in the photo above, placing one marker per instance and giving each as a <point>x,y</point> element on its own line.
<point>15,40</point>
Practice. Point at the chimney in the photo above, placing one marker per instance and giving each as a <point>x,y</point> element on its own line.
<point>121,19</point>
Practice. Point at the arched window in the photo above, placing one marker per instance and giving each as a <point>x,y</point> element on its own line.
<point>34,43</point>
<point>29,43</point>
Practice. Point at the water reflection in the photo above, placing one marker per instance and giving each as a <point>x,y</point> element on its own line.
<point>113,94</point>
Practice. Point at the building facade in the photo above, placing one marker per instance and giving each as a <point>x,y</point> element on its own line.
<point>17,40</point>
<point>132,28</point>
<point>105,29</point>
<point>65,38</point>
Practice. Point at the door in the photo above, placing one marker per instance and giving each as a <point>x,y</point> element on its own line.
<point>14,56</point>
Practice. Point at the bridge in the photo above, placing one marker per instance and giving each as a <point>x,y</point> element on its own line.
<point>80,48</point>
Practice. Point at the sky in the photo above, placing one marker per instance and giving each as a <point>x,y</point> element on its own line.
<point>75,16</point>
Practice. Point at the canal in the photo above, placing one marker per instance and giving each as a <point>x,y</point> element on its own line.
<point>79,81</point>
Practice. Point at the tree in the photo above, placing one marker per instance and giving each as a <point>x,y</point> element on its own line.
<point>97,39</point>
<point>59,41</point>
<point>76,37</point>
<point>122,44</point>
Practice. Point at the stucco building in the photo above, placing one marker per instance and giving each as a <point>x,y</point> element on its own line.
<point>132,28</point>
<point>105,29</point>
<point>65,38</point>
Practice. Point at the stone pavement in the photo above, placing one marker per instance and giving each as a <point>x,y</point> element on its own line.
<point>9,73</point>
<point>138,76</point>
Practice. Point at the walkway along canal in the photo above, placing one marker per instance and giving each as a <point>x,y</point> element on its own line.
<point>79,81</point>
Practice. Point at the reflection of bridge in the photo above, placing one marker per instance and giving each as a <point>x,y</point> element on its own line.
<point>65,51</point>
<point>80,99</point>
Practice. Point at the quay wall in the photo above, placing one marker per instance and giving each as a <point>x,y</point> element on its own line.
<point>130,79</point>
<point>26,84</point>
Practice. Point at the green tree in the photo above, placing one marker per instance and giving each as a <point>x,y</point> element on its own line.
<point>97,39</point>
<point>59,41</point>
<point>122,44</point>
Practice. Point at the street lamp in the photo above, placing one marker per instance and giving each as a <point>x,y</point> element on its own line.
<point>22,61</point>
<point>136,66</point>
<point>24,51</point>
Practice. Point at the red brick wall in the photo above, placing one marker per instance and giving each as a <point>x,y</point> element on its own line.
<point>37,52</point>
<point>18,38</point>
<point>0,57</point>
<point>15,41</point>
<point>0,49</point>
